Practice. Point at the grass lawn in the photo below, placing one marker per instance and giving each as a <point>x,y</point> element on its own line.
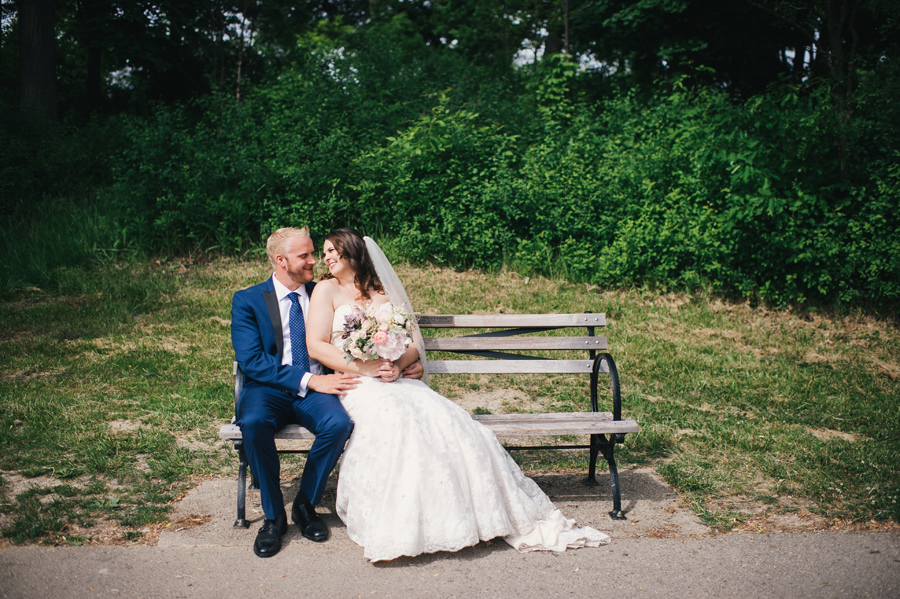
<point>112,392</point>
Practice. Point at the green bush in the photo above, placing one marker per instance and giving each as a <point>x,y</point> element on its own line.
<point>776,198</point>
<point>432,186</point>
<point>284,155</point>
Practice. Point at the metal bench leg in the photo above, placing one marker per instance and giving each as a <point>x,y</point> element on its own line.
<point>241,521</point>
<point>608,449</point>
<point>591,479</point>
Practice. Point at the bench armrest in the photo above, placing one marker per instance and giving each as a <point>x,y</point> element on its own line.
<point>614,382</point>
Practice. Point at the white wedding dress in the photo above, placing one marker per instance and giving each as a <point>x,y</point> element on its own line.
<point>419,476</point>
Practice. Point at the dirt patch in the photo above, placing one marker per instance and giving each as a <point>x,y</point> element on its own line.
<point>804,521</point>
<point>826,434</point>
<point>140,462</point>
<point>124,426</point>
<point>498,401</point>
<point>194,442</point>
<point>16,484</point>
<point>789,514</point>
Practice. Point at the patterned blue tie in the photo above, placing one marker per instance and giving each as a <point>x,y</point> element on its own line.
<point>299,355</point>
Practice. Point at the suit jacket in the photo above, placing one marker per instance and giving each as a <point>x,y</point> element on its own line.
<point>257,338</point>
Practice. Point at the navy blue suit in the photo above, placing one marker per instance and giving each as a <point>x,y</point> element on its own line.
<point>269,400</point>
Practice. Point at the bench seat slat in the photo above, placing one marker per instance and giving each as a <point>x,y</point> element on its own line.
<point>512,366</point>
<point>545,417</point>
<point>502,425</point>
<point>291,431</point>
<point>475,321</point>
<point>514,343</point>
<point>533,428</point>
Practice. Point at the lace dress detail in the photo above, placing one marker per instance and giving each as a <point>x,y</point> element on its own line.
<point>419,476</point>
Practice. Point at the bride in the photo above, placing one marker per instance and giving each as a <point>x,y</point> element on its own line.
<point>418,474</point>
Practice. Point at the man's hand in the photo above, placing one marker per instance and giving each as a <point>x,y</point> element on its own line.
<point>335,384</point>
<point>414,370</point>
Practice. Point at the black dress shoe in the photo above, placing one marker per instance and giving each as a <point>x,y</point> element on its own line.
<point>268,539</point>
<point>308,521</point>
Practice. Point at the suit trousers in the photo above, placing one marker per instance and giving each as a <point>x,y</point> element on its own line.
<point>262,411</point>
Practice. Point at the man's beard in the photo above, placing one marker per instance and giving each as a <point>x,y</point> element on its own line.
<point>300,275</point>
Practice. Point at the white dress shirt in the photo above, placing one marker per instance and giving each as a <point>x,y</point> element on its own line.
<point>284,307</point>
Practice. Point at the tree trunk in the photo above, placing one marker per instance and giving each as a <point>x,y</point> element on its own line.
<point>94,81</point>
<point>840,43</point>
<point>799,64</point>
<point>92,32</point>
<point>36,60</point>
<point>240,56</point>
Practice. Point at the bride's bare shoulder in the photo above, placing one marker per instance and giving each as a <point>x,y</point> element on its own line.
<point>378,298</point>
<point>325,291</point>
<point>327,284</point>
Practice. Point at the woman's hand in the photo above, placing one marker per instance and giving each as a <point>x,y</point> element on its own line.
<point>370,368</point>
<point>388,371</point>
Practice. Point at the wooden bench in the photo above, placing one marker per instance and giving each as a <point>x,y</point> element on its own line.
<point>492,339</point>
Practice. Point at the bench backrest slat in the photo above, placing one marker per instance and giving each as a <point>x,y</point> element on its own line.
<point>498,343</point>
<point>513,366</point>
<point>514,343</point>
<point>476,321</point>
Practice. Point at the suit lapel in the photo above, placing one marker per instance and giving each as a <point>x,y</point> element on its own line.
<point>275,316</point>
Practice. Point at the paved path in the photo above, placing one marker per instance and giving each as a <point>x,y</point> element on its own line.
<point>662,550</point>
<point>814,565</point>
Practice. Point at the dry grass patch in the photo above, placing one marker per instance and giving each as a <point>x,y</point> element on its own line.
<point>828,435</point>
<point>15,484</point>
<point>891,371</point>
<point>122,426</point>
<point>149,338</point>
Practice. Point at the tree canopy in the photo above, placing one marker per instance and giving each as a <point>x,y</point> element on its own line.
<point>750,147</point>
<point>113,55</point>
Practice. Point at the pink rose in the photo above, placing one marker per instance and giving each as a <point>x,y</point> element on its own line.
<point>380,338</point>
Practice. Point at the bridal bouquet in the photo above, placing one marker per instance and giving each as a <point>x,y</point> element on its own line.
<point>376,332</point>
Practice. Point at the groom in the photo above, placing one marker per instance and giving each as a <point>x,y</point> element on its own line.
<point>283,386</point>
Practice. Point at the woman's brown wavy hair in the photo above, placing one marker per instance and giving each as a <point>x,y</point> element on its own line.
<point>350,245</point>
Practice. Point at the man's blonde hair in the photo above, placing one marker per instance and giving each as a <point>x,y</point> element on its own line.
<point>278,241</point>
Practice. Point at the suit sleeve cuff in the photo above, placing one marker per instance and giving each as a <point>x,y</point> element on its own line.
<point>304,384</point>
